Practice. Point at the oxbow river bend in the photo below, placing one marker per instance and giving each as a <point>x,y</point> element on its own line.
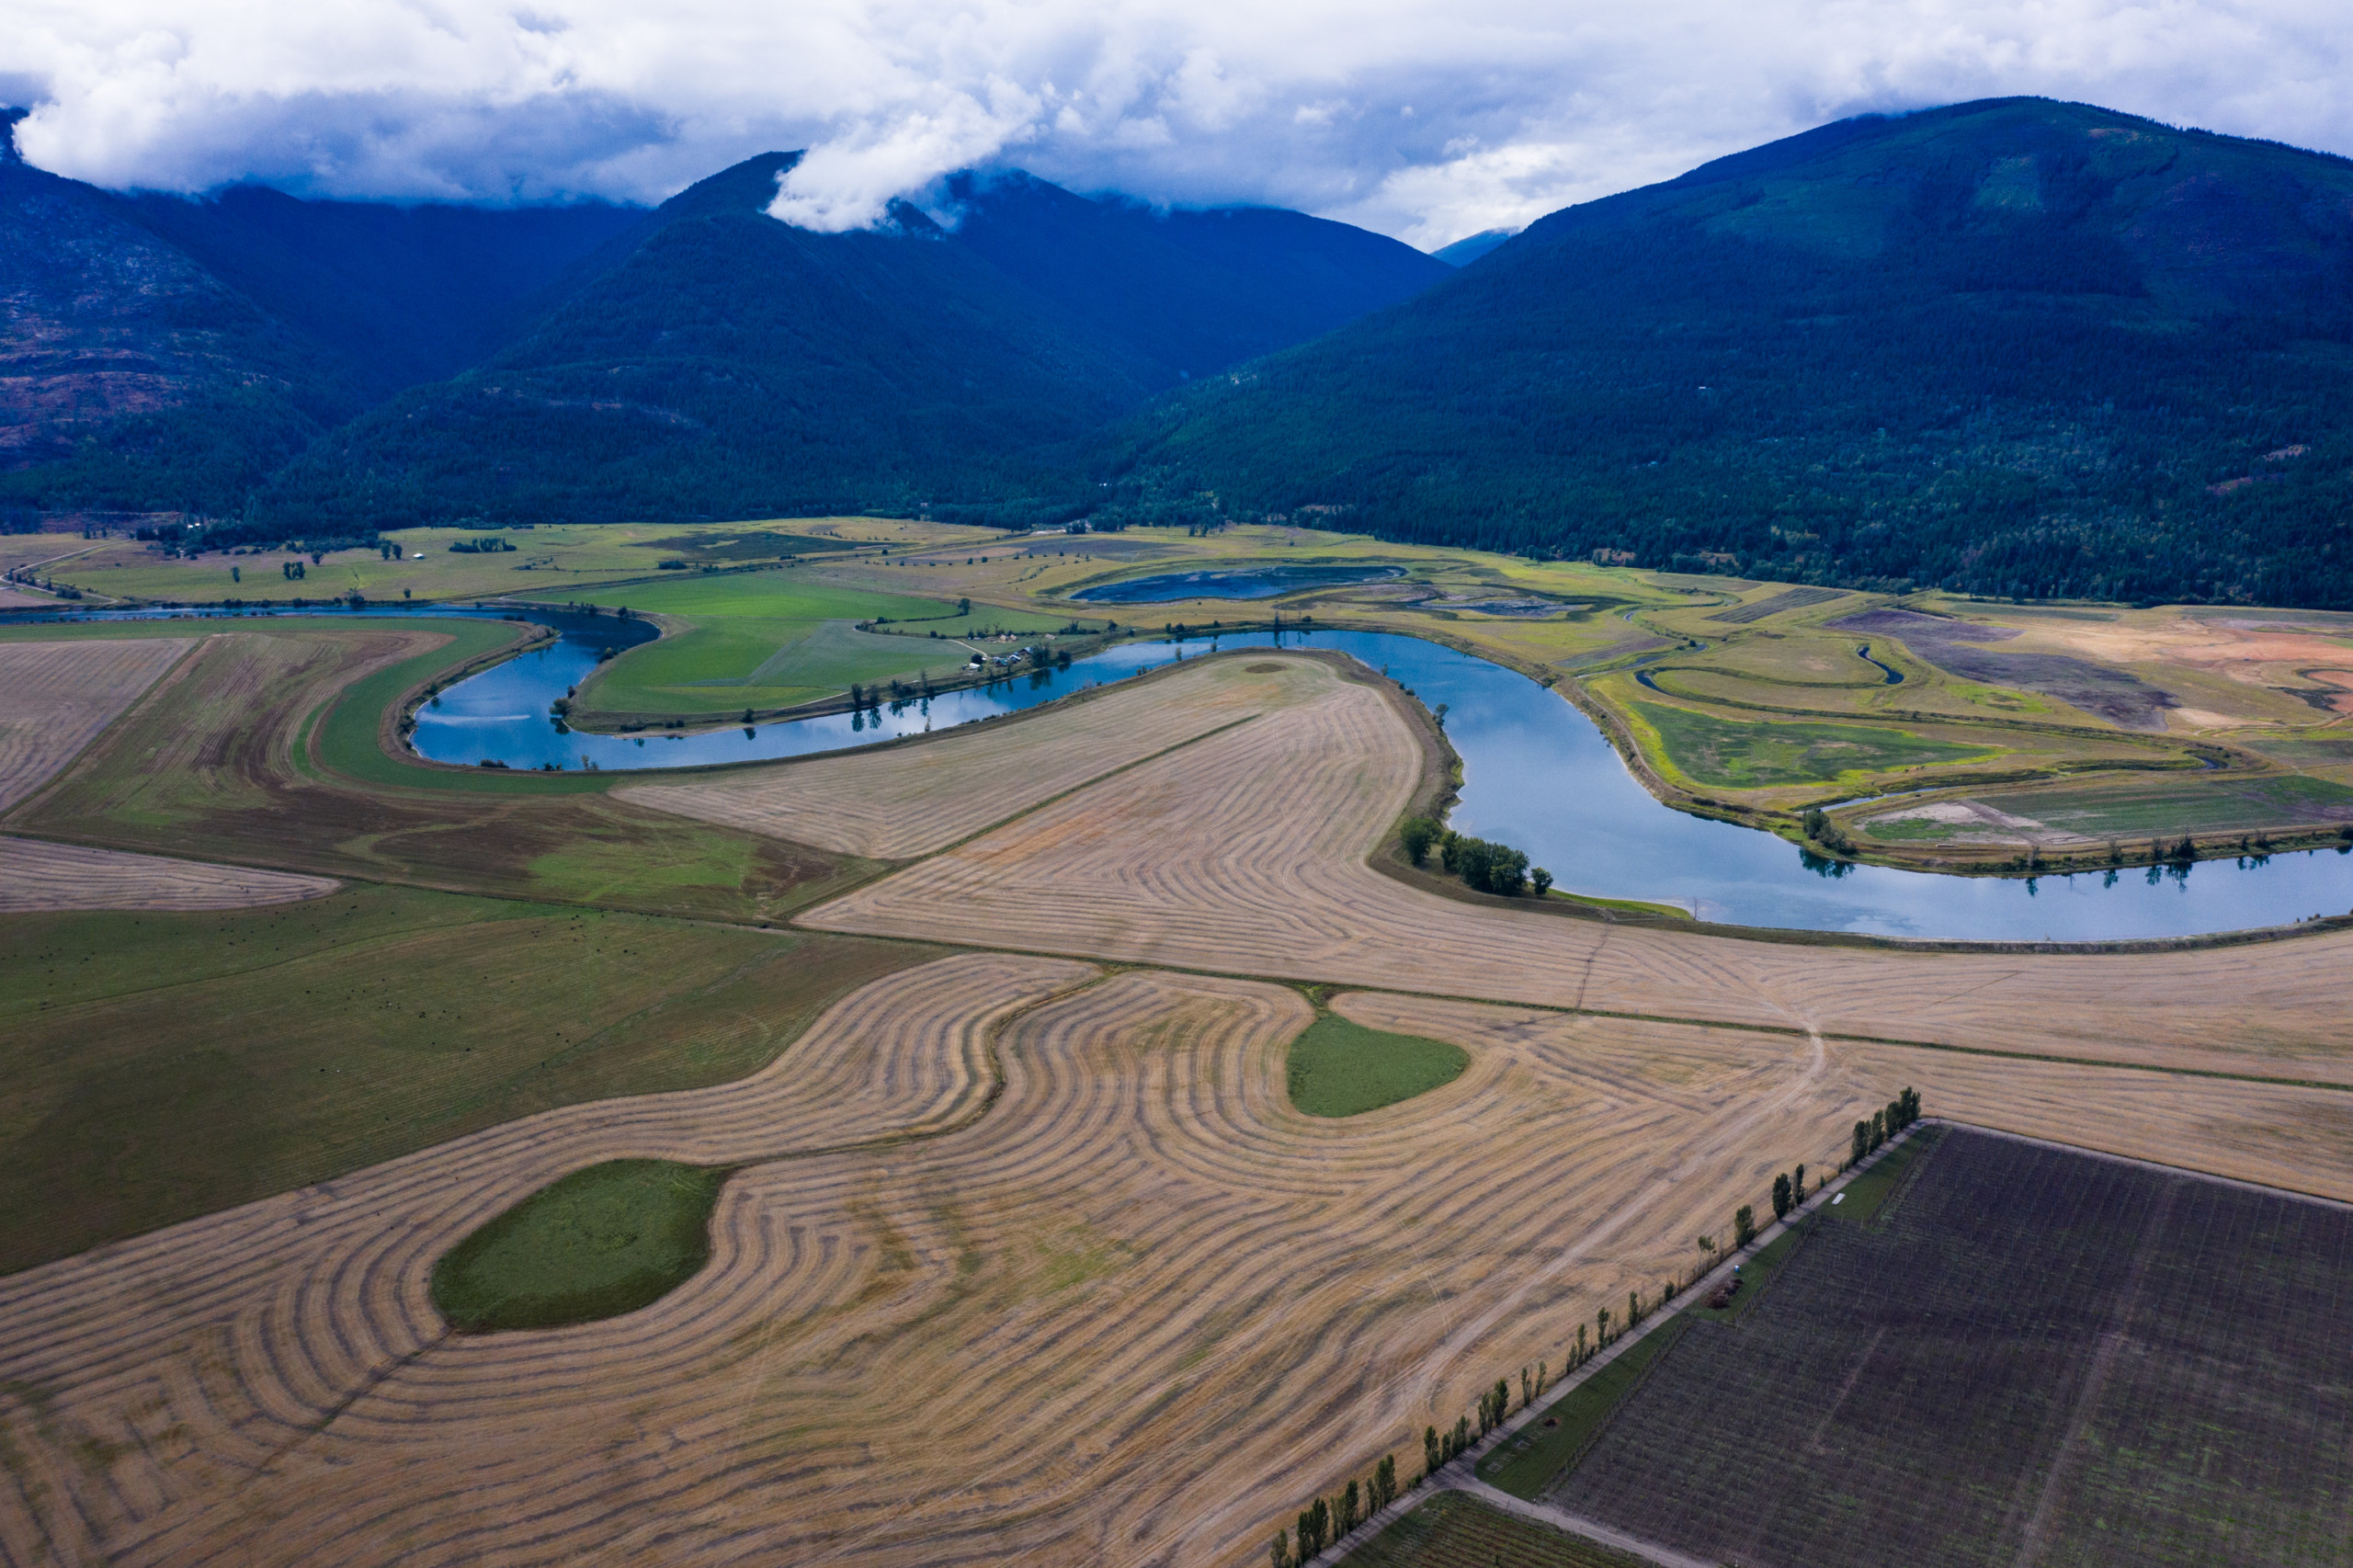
<point>1537,774</point>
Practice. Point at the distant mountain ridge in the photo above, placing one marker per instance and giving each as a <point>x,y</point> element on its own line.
<point>2013,346</point>
<point>337,367</point>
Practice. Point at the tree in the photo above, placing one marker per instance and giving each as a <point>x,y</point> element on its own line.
<point>1797,1187</point>
<point>1601,1327</point>
<point>1580,1342</point>
<point>1461,1433</point>
<point>1526,1390</point>
<point>1744,1227</point>
<point>1782,1197</point>
<point>1417,834</point>
<point>1315,1528</point>
<point>236,575</point>
<point>1541,881</point>
<point>1879,1128</point>
<point>1347,1509</point>
<point>1633,1308</point>
<point>1448,846</point>
<point>1278,1550</point>
<point>1862,1142</point>
<point>1431,1459</point>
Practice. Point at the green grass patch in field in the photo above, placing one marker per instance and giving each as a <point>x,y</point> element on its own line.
<point>1338,1068</point>
<point>1868,1191</point>
<point>154,1067</point>
<point>1525,1469</point>
<point>1455,1530</point>
<point>2190,802</point>
<point>1625,905</point>
<point>603,1241</point>
<point>1735,755</point>
<point>787,593</point>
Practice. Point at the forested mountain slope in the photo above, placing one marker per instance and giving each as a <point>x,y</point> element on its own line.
<point>2015,346</point>
<point>159,353</point>
<point>714,363</point>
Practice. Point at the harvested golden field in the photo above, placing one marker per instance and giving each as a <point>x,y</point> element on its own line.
<point>1130,1310</point>
<point>1246,852</point>
<point>39,878</point>
<point>911,800</point>
<point>56,697</point>
<point>2272,1134</point>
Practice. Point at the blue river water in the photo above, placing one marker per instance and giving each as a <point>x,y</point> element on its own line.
<point>1536,775</point>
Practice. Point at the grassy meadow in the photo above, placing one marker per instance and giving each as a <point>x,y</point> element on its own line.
<point>162,1066</point>
<point>606,1240</point>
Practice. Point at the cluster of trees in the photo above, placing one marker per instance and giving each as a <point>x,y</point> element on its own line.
<point>1900,1113</point>
<point>488,544</point>
<point>1321,1522</point>
<point>1789,1191</point>
<point>1820,829</point>
<point>1484,867</point>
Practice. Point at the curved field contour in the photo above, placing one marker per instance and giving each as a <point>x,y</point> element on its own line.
<point>40,878</point>
<point>1246,853</point>
<point>910,800</point>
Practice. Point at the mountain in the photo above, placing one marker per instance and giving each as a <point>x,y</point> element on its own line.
<point>713,361</point>
<point>159,353</point>
<point>1464,252</point>
<point>2013,346</point>
<point>406,294</point>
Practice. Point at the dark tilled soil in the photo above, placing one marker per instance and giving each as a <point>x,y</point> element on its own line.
<point>1959,648</point>
<point>2032,1357</point>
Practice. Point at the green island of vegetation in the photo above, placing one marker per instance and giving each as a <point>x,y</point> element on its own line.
<point>606,1240</point>
<point>1742,755</point>
<point>1338,1068</point>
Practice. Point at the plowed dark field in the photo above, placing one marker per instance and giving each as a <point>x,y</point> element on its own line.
<point>2027,1357</point>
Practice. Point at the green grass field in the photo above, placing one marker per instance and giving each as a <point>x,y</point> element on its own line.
<point>2176,803</point>
<point>1338,1068</point>
<point>603,1241</point>
<point>551,563</point>
<point>761,640</point>
<point>1744,755</point>
<point>1525,1468</point>
<point>154,1067</point>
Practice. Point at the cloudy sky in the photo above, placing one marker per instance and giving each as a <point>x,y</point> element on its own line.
<point>1429,119</point>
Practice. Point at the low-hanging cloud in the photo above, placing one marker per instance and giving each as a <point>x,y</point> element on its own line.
<point>1423,120</point>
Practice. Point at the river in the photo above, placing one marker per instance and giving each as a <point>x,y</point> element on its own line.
<point>1536,775</point>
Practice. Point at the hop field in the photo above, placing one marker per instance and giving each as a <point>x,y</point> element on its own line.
<point>2032,1356</point>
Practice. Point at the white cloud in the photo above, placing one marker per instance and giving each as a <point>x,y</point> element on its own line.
<point>1517,107</point>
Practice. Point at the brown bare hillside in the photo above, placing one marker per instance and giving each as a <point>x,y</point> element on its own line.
<point>1246,853</point>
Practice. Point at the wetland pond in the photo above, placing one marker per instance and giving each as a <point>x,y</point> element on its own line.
<point>1536,775</point>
